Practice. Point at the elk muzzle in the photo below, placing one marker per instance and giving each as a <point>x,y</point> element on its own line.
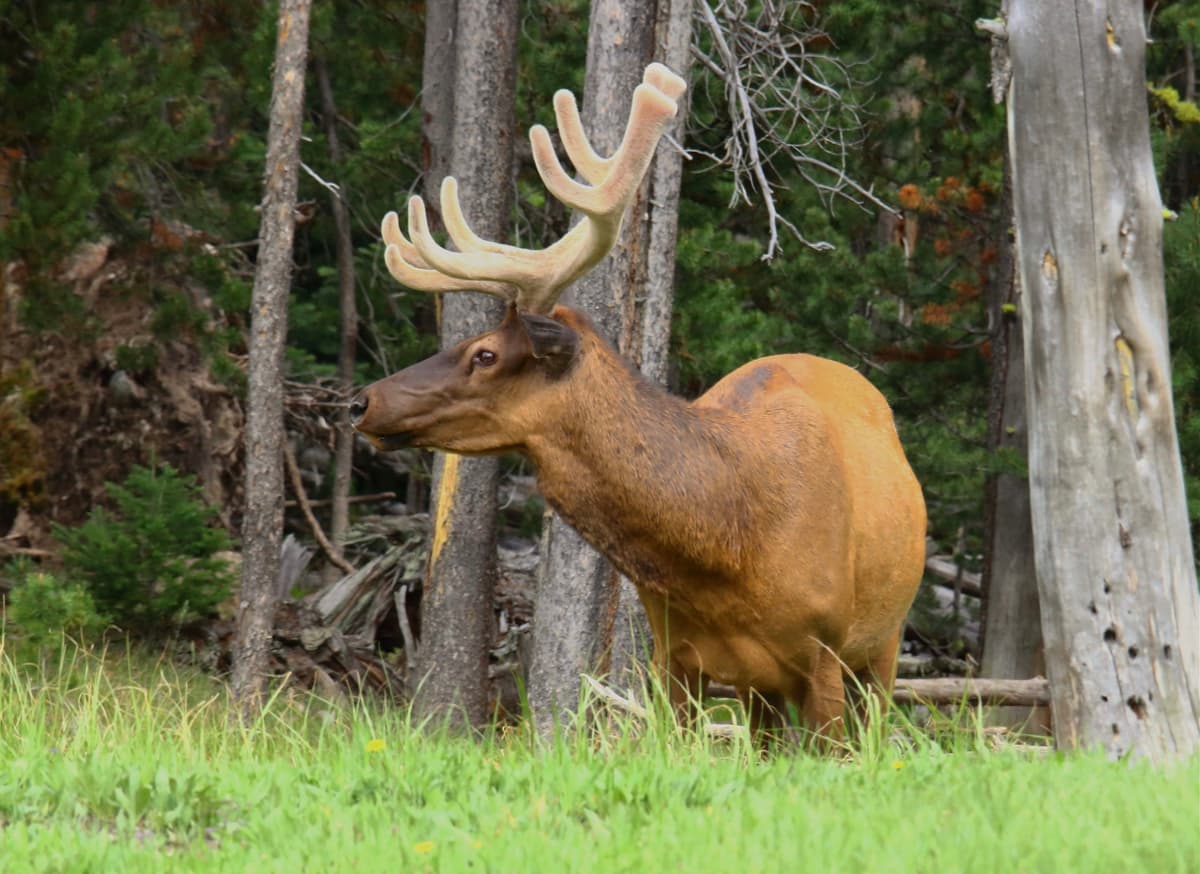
<point>393,412</point>
<point>360,410</point>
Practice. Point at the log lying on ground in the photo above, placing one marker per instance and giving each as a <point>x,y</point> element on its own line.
<point>946,568</point>
<point>972,690</point>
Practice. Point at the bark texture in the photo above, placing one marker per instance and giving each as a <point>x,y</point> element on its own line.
<point>343,458</point>
<point>631,640</point>
<point>578,589</point>
<point>451,679</point>
<point>1012,625</point>
<point>1116,579</point>
<point>262,526</point>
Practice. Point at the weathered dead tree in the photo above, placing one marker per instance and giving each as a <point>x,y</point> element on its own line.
<point>579,591</point>
<point>1116,573</point>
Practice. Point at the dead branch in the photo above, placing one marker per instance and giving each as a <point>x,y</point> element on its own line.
<point>354,499</point>
<point>947,569</point>
<point>293,469</point>
<point>628,705</point>
<point>410,640</point>
<point>785,101</point>
<point>973,690</point>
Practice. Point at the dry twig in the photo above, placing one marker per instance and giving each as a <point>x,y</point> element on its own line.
<point>786,100</point>
<point>627,705</point>
<point>335,558</point>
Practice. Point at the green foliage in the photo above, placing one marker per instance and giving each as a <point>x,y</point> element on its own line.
<point>153,564</point>
<point>22,462</point>
<point>103,105</point>
<point>45,608</point>
<point>136,357</point>
<point>1181,251</point>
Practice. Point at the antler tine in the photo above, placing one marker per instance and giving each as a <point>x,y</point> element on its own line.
<point>652,108</point>
<point>409,268</point>
<point>590,165</point>
<point>665,80</point>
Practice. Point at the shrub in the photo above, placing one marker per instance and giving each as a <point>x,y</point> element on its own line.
<point>45,607</point>
<point>152,564</point>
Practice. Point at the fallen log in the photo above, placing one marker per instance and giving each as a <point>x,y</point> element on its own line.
<point>973,690</point>
<point>376,498</point>
<point>967,582</point>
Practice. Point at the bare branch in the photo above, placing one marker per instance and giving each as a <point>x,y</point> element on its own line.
<point>293,470</point>
<point>787,103</point>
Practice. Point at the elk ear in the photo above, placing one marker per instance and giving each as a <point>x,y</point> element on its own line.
<point>554,344</point>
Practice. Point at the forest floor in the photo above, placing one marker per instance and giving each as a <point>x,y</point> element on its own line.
<point>119,762</point>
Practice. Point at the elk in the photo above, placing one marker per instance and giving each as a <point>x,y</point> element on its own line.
<point>772,527</point>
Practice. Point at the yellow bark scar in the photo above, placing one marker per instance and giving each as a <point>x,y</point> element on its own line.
<point>1050,266</point>
<point>1128,388</point>
<point>445,499</point>
<point>1110,37</point>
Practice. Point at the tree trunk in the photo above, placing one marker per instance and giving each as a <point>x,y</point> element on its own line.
<point>1116,580</point>
<point>674,44</point>
<point>262,527</point>
<point>457,618</point>
<point>437,102</point>
<point>1012,621</point>
<point>631,639</point>
<point>578,589</point>
<point>343,459</point>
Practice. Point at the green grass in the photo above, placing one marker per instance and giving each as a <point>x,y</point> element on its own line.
<point>112,763</point>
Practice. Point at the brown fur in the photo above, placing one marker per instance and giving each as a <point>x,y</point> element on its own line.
<point>773,527</point>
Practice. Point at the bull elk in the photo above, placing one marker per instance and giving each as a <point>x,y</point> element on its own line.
<point>773,527</point>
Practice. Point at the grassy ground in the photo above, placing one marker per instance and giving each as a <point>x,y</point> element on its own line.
<point>111,764</point>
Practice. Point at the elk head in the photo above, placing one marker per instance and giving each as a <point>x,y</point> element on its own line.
<point>485,394</point>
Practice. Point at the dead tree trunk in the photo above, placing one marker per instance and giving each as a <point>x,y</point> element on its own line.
<point>451,679</point>
<point>1116,580</point>
<point>343,457</point>
<point>579,591</point>
<point>1012,622</point>
<point>262,527</point>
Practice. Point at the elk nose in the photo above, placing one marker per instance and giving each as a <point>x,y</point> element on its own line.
<point>358,409</point>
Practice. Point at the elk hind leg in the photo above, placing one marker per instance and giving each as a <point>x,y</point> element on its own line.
<point>766,717</point>
<point>685,690</point>
<point>876,680</point>
<point>823,701</point>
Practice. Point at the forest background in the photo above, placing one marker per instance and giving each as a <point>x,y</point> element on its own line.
<point>132,141</point>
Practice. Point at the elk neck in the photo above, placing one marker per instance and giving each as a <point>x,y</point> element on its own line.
<point>647,479</point>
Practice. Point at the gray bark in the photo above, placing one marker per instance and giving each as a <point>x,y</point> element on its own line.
<point>631,640</point>
<point>1012,638</point>
<point>674,43</point>
<point>1116,580</point>
<point>457,618</point>
<point>343,457</point>
<point>262,527</point>
<point>578,589</point>
<point>437,102</point>
<point>1012,622</point>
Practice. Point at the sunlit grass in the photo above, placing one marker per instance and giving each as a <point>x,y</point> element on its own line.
<point>117,762</point>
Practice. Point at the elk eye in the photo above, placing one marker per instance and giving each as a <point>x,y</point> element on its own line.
<point>483,358</point>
